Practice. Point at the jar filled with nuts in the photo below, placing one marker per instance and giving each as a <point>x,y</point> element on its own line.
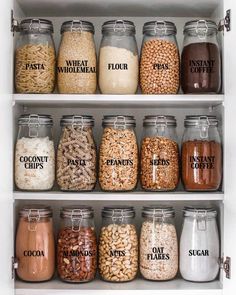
<point>158,244</point>
<point>118,159</point>
<point>77,245</point>
<point>76,154</point>
<point>159,154</point>
<point>118,245</point>
<point>159,67</point>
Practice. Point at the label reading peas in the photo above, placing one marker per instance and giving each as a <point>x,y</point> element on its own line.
<point>159,66</point>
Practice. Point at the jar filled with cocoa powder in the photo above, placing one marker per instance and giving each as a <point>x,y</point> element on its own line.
<point>35,246</point>
<point>201,154</point>
<point>77,245</point>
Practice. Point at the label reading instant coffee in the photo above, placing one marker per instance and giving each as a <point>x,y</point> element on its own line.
<point>158,254</point>
<point>198,253</point>
<point>160,67</point>
<point>117,66</point>
<point>202,66</point>
<point>76,66</point>
<point>34,66</point>
<point>34,253</point>
<point>34,162</point>
<point>160,162</point>
<point>202,162</point>
<point>119,162</point>
<point>76,253</point>
<point>76,162</point>
<point>117,253</point>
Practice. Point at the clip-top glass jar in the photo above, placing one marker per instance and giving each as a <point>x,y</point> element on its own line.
<point>76,154</point>
<point>34,153</point>
<point>199,245</point>
<point>159,67</point>
<point>118,58</point>
<point>77,245</point>
<point>201,154</point>
<point>118,157</point>
<point>201,61</point>
<point>35,246</point>
<point>118,244</point>
<point>77,61</point>
<point>35,57</point>
<point>158,244</point>
<point>159,154</point>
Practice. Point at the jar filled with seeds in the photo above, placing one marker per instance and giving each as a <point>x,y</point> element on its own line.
<point>159,154</point>
<point>118,244</point>
<point>35,57</point>
<point>159,67</point>
<point>158,244</point>
<point>76,154</point>
<point>118,58</point>
<point>77,245</point>
<point>118,158</point>
<point>77,62</point>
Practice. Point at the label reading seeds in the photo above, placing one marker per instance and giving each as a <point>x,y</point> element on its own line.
<point>117,253</point>
<point>202,162</point>
<point>159,66</point>
<point>158,253</point>
<point>30,66</point>
<point>202,66</point>
<point>198,253</point>
<point>117,66</point>
<point>160,162</point>
<point>34,253</point>
<point>76,66</point>
<point>34,162</point>
<point>119,162</point>
<point>76,162</point>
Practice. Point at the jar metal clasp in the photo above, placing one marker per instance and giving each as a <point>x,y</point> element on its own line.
<point>120,216</point>
<point>77,121</point>
<point>77,28</point>
<point>201,216</point>
<point>120,122</point>
<point>161,125</point>
<point>160,28</point>
<point>118,28</point>
<point>202,29</point>
<point>33,124</point>
<point>76,218</point>
<point>203,124</point>
<point>33,219</point>
<point>35,20</point>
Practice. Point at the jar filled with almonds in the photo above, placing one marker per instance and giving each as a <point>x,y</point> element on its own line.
<point>77,245</point>
<point>159,154</point>
<point>160,63</point>
<point>118,245</point>
<point>118,159</point>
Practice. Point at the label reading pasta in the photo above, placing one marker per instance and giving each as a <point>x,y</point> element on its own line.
<point>30,66</point>
<point>77,162</point>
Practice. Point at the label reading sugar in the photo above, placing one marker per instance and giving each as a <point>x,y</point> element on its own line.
<point>76,66</point>
<point>198,252</point>
<point>34,162</point>
<point>158,253</point>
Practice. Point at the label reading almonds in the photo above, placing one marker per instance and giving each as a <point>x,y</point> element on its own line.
<point>76,253</point>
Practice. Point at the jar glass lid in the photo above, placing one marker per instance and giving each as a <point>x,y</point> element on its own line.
<point>118,25</point>
<point>153,120</point>
<point>118,212</point>
<point>158,211</point>
<point>198,120</point>
<point>200,26</point>
<point>77,120</point>
<point>35,119</point>
<point>160,28</point>
<point>35,211</point>
<point>118,121</point>
<point>36,25</point>
<point>77,26</point>
<point>199,212</point>
<point>79,212</point>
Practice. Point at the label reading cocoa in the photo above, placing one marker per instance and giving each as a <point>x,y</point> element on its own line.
<point>160,66</point>
<point>30,66</point>
<point>202,66</point>
<point>160,162</point>
<point>202,162</point>
<point>117,253</point>
<point>76,66</point>
<point>198,252</point>
<point>33,253</point>
<point>34,162</point>
<point>119,162</point>
<point>158,253</point>
<point>117,66</point>
<point>76,162</point>
<point>77,253</point>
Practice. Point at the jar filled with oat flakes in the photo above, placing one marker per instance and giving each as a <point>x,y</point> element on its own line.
<point>77,62</point>
<point>158,244</point>
<point>76,154</point>
<point>118,158</point>
<point>160,63</point>
<point>159,154</point>
<point>35,57</point>
<point>118,244</point>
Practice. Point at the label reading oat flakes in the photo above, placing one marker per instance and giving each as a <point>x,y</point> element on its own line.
<point>160,162</point>
<point>117,253</point>
<point>119,162</point>
<point>202,162</point>
<point>76,66</point>
<point>34,162</point>
<point>158,253</point>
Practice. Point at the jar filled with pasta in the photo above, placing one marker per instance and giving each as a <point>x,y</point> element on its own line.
<point>35,57</point>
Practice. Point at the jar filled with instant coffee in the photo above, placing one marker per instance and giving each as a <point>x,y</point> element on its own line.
<point>201,154</point>
<point>77,245</point>
<point>118,244</point>
<point>159,66</point>
<point>35,247</point>
<point>35,57</point>
<point>76,154</point>
<point>201,61</point>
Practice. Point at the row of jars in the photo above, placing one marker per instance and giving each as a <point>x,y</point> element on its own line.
<point>119,160</point>
<point>160,256</point>
<point>119,69</point>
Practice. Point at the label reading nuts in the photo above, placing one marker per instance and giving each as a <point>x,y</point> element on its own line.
<point>34,162</point>
<point>34,253</point>
<point>76,66</point>
<point>117,66</point>
<point>160,162</point>
<point>38,66</point>
<point>159,66</point>
<point>202,66</point>
<point>158,253</point>
<point>116,253</point>
<point>202,162</point>
<point>118,162</point>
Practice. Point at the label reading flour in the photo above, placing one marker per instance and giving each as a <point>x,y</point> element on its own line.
<point>158,253</point>
<point>76,66</point>
<point>34,162</point>
<point>117,66</point>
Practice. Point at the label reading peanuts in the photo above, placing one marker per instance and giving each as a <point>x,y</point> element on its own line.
<point>158,253</point>
<point>34,162</point>
<point>76,253</point>
<point>30,66</point>
<point>76,66</point>
<point>202,66</point>
<point>202,162</point>
<point>117,253</point>
<point>117,66</point>
<point>160,162</point>
<point>160,66</point>
<point>198,253</point>
<point>76,162</point>
<point>118,162</point>
<point>34,253</point>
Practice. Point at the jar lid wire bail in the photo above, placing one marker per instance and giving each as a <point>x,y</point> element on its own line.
<point>33,124</point>
<point>76,218</point>
<point>201,30</point>
<point>116,28</point>
<point>162,29</point>
<point>33,219</point>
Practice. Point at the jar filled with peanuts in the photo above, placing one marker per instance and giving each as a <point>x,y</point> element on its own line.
<point>77,245</point>
<point>118,244</point>
<point>118,159</point>
<point>160,63</point>
<point>35,57</point>
<point>158,244</point>
<point>159,154</point>
<point>76,154</point>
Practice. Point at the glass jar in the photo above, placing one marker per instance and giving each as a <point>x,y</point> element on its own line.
<point>77,245</point>
<point>76,154</point>
<point>35,246</point>
<point>201,61</point>
<point>118,158</point>
<point>34,153</point>
<point>77,61</point>
<point>199,245</point>
<point>158,244</point>
<point>118,58</point>
<point>35,57</point>
<point>159,154</point>
<point>201,154</point>
<point>159,67</point>
<point>118,245</point>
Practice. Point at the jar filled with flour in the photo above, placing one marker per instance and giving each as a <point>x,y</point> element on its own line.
<point>118,58</point>
<point>199,245</point>
<point>34,153</point>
